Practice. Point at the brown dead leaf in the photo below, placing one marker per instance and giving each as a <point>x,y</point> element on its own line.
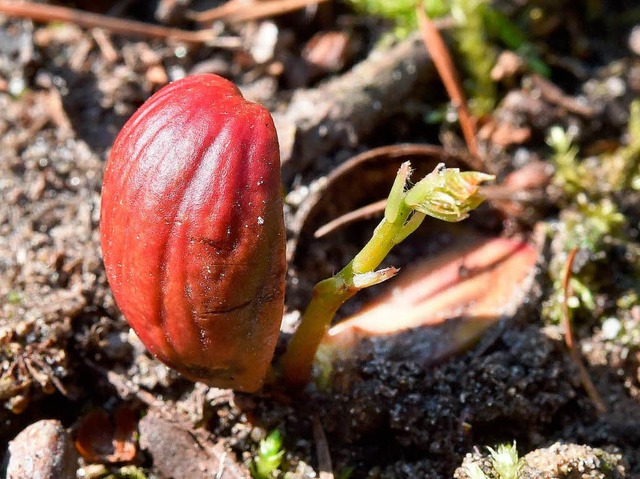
<point>100,438</point>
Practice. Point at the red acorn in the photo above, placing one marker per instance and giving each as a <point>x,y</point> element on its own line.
<point>192,231</point>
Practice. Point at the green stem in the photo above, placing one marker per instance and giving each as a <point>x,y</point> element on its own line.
<point>445,193</point>
<point>330,294</point>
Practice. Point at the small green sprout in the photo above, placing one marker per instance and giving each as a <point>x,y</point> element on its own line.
<point>474,471</point>
<point>269,456</point>
<point>590,218</point>
<point>505,461</point>
<point>445,193</point>
<point>569,174</point>
<point>13,297</point>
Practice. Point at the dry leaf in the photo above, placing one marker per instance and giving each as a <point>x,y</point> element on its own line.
<point>100,438</point>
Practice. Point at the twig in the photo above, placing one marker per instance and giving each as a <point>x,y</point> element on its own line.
<point>322,450</point>
<point>444,64</point>
<point>570,340</point>
<point>310,215</point>
<point>491,193</point>
<point>51,13</point>
<point>352,216</point>
<point>555,95</point>
<point>241,12</point>
<point>80,54</point>
<point>566,287</point>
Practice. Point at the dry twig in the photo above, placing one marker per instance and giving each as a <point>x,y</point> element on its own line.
<point>553,94</point>
<point>124,386</point>
<point>570,340</point>
<point>235,11</point>
<point>51,13</point>
<point>322,450</point>
<point>444,64</point>
<point>367,211</point>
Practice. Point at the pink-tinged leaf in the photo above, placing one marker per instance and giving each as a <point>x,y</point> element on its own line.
<point>443,306</point>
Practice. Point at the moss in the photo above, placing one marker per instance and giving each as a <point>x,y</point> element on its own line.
<point>559,461</point>
<point>505,461</point>
<point>266,462</point>
<point>14,297</point>
<point>601,176</point>
<point>480,30</point>
<point>502,463</point>
<point>591,219</point>
<point>478,54</point>
<point>401,12</point>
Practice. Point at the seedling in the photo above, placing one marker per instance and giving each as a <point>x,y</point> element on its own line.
<point>504,461</point>
<point>269,456</point>
<point>446,194</point>
<point>193,236</point>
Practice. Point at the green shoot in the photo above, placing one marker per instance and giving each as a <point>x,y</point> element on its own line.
<point>590,220</point>
<point>474,471</point>
<point>126,472</point>
<point>570,174</point>
<point>505,461</point>
<point>446,193</point>
<point>269,456</point>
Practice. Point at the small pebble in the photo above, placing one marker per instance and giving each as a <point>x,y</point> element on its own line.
<point>611,327</point>
<point>42,451</point>
<point>634,40</point>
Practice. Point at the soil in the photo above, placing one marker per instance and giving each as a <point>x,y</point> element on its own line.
<point>65,349</point>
